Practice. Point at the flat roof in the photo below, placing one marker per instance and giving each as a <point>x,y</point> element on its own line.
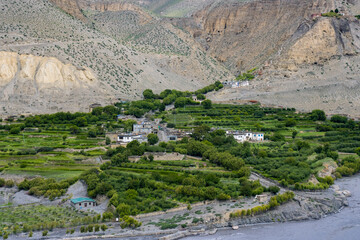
<point>82,199</point>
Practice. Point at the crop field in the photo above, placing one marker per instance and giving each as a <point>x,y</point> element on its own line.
<point>47,154</point>
<point>40,217</point>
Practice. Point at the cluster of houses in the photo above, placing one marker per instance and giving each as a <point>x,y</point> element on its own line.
<point>139,133</point>
<point>243,136</point>
<point>142,129</point>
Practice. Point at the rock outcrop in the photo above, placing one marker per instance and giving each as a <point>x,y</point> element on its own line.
<point>328,37</point>
<point>117,7</point>
<point>244,35</point>
<point>34,84</point>
<point>44,72</point>
<point>306,206</point>
<point>71,7</point>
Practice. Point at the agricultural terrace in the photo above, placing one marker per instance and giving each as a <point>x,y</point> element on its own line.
<point>65,147</point>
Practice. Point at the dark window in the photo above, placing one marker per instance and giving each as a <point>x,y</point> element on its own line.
<point>85,204</point>
<point>79,204</point>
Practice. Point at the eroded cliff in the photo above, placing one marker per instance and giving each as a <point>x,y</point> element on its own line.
<point>30,83</point>
<point>243,35</point>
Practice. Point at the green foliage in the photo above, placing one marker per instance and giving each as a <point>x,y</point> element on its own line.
<point>330,14</point>
<point>129,222</point>
<point>148,94</point>
<point>207,104</point>
<point>153,139</point>
<point>2,182</point>
<point>277,137</point>
<point>339,119</point>
<point>104,227</point>
<point>273,203</point>
<point>15,130</point>
<point>46,187</point>
<point>290,122</point>
<point>200,96</point>
<point>348,166</point>
<point>273,189</point>
<point>246,76</point>
<point>318,115</point>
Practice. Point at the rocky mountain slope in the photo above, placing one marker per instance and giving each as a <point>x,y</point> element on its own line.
<point>316,67</point>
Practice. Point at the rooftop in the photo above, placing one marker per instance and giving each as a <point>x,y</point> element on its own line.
<point>82,199</point>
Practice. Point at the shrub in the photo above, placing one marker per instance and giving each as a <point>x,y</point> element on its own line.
<point>153,139</point>
<point>104,227</point>
<point>207,104</point>
<point>338,119</point>
<point>274,189</point>
<point>318,115</point>
<point>9,183</point>
<point>97,228</point>
<point>45,233</point>
<point>2,182</point>
<point>15,130</point>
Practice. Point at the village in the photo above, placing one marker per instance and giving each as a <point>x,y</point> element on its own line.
<point>144,127</point>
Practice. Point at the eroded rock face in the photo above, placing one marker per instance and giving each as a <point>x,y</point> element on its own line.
<point>8,67</point>
<point>327,38</point>
<point>34,84</point>
<point>70,6</point>
<point>246,34</point>
<point>46,72</point>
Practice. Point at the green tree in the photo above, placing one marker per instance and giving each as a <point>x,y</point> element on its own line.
<point>207,104</point>
<point>123,209</point>
<point>181,102</point>
<point>200,96</point>
<point>134,148</point>
<point>318,115</point>
<point>92,133</point>
<point>104,227</point>
<point>153,138</point>
<point>128,125</point>
<point>339,119</point>
<point>74,129</point>
<point>80,121</point>
<point>107,141</point>
<point>357,151</point>
<point>148,94</point>
<point>290,122</point>
<point>294,133</point>
<point>15,130</point>
<point>277,137</point>
<point>119,158</point>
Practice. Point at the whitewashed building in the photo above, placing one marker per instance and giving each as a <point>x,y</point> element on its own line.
<point>126,138</point>
<point>243,136</point>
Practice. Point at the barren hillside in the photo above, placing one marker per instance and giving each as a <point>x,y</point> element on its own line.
<point>40,28</point>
